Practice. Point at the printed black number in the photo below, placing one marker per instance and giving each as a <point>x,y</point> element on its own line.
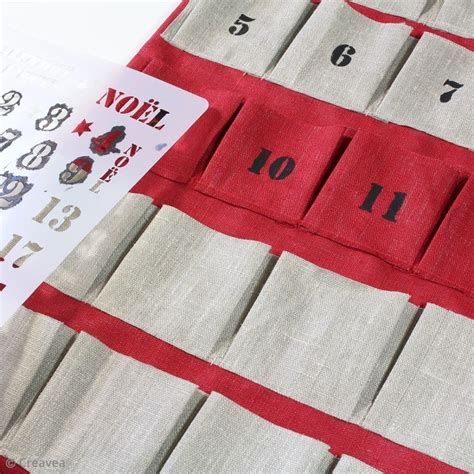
<point>11,99</point>
<point>38,156</point>
<point>280,168</point>
<point>12,189</point>
<point>446,97</point>
<point>240,26</point>
<point>341,56</point>
<point>8,137</point>
<point>56,115</point>
<point>393,208</point>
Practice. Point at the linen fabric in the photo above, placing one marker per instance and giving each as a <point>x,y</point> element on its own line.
<point>342,57</point>
<point>225,437</point>
<point>104,412</point>
<point>226,31</point>
<point>320,338</point>
<point>350,465</point>
<point>271,164</point>
<point>187,284</point>
<point>383,199</point>
<point>411,9</point>
<point>448,259</point>
<point>31,346</point>
<point>427,401</point>
<point>455,16</point>
<point>176,24</point>
<point>88,267</point>
<point>432,92</point>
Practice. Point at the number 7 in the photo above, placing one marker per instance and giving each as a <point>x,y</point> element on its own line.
<point>34,247</point>
<point>446,97</point>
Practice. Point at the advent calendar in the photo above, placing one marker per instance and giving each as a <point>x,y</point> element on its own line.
<point>284,283</point>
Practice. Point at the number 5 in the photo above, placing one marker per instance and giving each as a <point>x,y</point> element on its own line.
<point>446,97</point>
<point>242,22</point>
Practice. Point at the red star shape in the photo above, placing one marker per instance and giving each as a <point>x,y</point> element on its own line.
<point>83,127</point>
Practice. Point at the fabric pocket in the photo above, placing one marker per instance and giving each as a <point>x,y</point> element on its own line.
<point>320,338</point>
<point>270,164</point>
<point>349,465</point>
<point>104,412</point>
<point>31,345</point>
<point>383,199</point>
<point>225,437</point>
<point>342,57</point>
<point>87,268</point>
<point>411,9</point>
<point>433,91</point>
<point>455,16</point>
<point>189,154</point>
<point>426,402</point>
<point>186,284</point>
<point>449,258</point>
<point>245,34</point>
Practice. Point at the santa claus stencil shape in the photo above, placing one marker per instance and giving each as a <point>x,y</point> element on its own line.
<point>76,171</point>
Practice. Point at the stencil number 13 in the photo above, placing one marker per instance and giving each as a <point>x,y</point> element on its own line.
<point>74,213</point>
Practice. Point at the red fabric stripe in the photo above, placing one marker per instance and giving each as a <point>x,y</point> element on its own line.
<point>351,263</point>
<point>8,466</point>
<point>418,28</point>
<point>242,223</point>
<point>343,437</point>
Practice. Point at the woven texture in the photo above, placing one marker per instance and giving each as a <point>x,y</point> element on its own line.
<point>320,338</point>
<point>220,32</point>
<point>395,222</point>
<point>104,412</point>
<point>445,259</point>
<point>227,438</point>
<point>349,465</point>
<point>186,284</point>
<point>352,76</point>
<point>87,268</point>
<point>31,345</point>
<point>411,9</point>
<point>427,402</point>
<point>270,164</point>
<point>190,153</point>
<point>456,16</point>
<point>418,97</point>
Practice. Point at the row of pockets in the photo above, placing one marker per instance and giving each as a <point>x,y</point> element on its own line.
<point>330,343</point>
<point>342,57</point>
<point>454,16</point>
<point>84,272</point>
<point>101,411</point>
<point>379,198</point>
<point>310,334</point>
